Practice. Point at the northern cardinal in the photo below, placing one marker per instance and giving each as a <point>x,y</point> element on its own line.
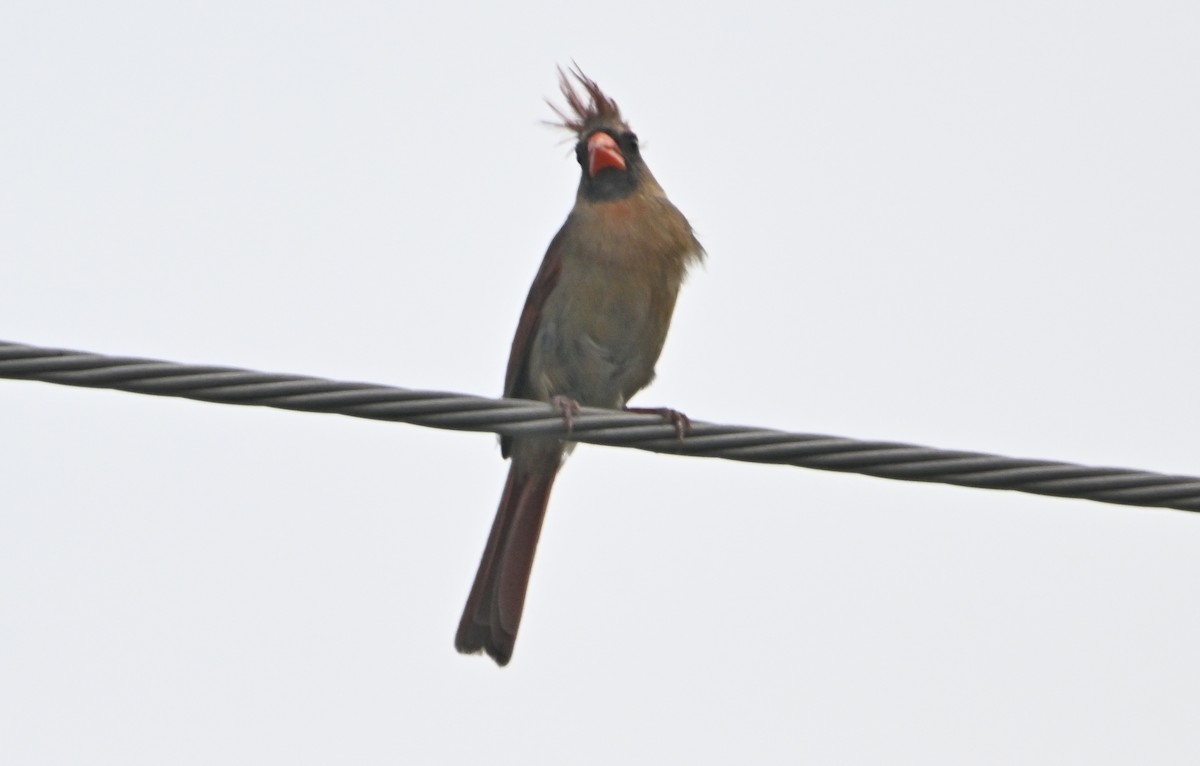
<point>590,333</point>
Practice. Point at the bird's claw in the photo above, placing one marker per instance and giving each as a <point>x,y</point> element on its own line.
<point>567,407</point>
<point>682,423</point>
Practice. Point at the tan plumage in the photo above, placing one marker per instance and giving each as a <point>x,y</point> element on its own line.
<point>591,332</point>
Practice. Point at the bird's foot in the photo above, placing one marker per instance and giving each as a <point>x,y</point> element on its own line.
<point>567,407</point>
<point>676,418</point>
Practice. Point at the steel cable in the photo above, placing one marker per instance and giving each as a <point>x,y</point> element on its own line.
<point>437,409</point>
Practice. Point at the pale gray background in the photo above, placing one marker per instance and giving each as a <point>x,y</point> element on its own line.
<point>966,225</point>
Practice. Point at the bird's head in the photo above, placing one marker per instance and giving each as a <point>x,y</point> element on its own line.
<point>607,150</point>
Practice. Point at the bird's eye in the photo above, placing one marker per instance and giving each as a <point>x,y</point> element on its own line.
<point>581,152</point>
<point>632,140</point>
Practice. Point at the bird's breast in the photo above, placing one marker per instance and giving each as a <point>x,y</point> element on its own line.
<point>604,324</point>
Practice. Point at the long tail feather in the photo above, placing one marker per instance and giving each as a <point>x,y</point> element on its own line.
<point>493,612</point>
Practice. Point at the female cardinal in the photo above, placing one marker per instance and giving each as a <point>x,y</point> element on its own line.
<point>590,333</point>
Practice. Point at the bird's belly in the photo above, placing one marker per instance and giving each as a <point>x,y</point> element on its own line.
<point>601,349</point>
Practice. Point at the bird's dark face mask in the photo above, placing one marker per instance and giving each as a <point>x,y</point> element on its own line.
<point>610,162</point>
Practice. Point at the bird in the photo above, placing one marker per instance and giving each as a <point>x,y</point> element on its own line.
<point>590,334</point>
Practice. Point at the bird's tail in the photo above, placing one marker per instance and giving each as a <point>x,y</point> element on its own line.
<point>493,611</point>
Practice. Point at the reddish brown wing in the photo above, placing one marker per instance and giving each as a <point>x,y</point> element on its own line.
<point>516,378</point>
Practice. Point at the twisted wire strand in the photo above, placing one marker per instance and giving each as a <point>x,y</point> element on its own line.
<point>514,417</point>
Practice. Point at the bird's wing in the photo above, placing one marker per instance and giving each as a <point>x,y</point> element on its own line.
<point>517,383</point>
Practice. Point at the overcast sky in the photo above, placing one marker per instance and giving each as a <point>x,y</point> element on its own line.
<point>963,226</point>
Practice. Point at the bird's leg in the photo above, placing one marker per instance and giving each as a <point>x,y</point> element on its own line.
<point>567,407</point>
<point>676,418</point>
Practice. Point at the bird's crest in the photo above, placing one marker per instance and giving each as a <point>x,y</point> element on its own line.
<point>586,110</point>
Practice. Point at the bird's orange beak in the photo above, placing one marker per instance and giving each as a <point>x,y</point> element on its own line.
<point>603,152</point>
